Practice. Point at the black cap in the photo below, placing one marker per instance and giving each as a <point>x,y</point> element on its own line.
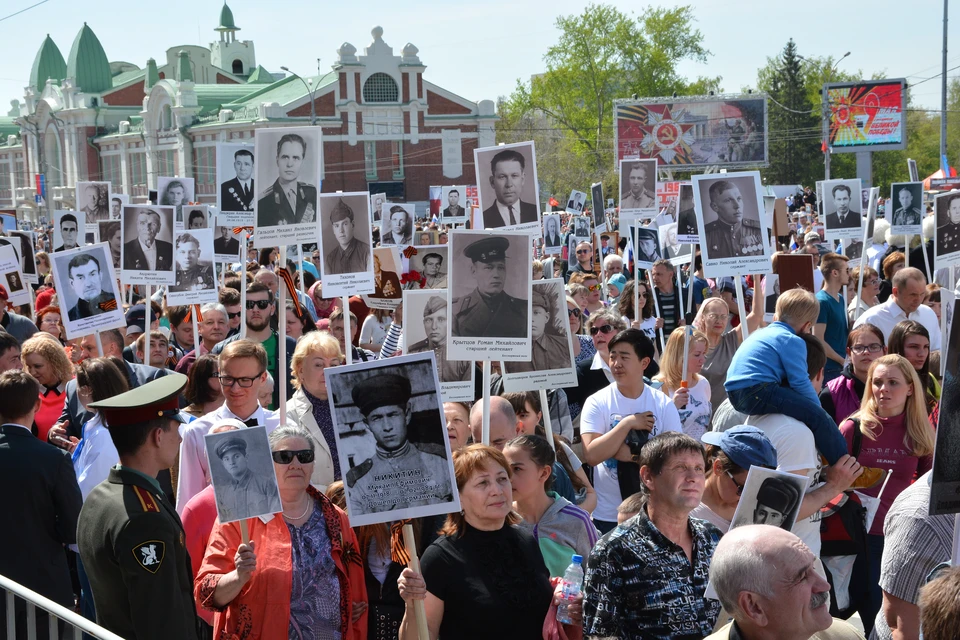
<point>231,443</point>
<point>492,249</point>
<point>386,389</point>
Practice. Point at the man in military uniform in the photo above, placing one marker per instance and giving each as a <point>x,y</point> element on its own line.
<point>94,203</point>
<point>948,234</point>
<point>549,350</point>
<point>435,326</point>
<point>431,271</point>
<point>236,194</point>
<point>288,201</point>
<point>488,311</point>
<point>192,275</point>
<point>400,474</point>
<point>639,196</point>
<point>906,213</point>
<point>386,284</point>
<point>350,255</point>
<point>731,235</point>
<point>248,494</point>
<point>83,272</point>
<point>130,537</point>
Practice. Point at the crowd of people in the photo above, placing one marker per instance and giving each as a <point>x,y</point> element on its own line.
<point>109,482</point>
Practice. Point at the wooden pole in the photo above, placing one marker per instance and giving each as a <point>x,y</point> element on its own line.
<point>485,432</point>
<point>196,334</point>
<point>96,334</point>
<point>280,380</point>
<point>680,295</point>
<point>244,534</point>
<point>420,612</point>
<point>347,342</point>
<point>742,307</point>
<point>146,325</point>
<point>651,291</point>
<point>547,421</point>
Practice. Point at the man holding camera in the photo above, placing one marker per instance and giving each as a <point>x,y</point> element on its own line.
<point>617,420</point>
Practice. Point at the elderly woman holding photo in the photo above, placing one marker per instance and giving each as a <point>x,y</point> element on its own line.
<point>300,574</point>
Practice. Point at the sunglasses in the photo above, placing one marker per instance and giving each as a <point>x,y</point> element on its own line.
<point>573,313</point>
<point>582,251</point>
<point>286,457</point>
<point>234,315</point>
<point>259,304</point>
<point>605,329</point>
<point>732,479</point>
<point>593,287</point>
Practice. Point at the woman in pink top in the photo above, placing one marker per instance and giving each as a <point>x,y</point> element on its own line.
<point>894,434</point>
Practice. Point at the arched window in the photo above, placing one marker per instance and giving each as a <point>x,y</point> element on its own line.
<point>380,87</point>
<point>238,67</point>
<point>166,118</point>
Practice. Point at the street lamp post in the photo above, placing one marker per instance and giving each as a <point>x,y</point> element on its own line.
<point>313,109</point>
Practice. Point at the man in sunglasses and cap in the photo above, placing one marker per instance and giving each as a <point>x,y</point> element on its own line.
<point>488,311</point>
<point>247,493</point>
<point>399,474</point>
<point>131,540</point>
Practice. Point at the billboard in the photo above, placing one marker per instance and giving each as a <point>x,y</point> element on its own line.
<point>690,133</point>
<point>867,116</point>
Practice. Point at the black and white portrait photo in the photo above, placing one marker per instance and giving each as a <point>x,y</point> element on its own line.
<point>433,264</point>
<point>242,474</point>
<point>237,186</point>
<point>945,484</point>
<point>551,362</point>
<point>226,243</point>
<point>842,204</point>
<point>392,439</point>
<point>599,213</point>
<point>14,283</point>
<point>117,202</point>
<point>147,252</point>
<point>904,210</point>
<point>490,295</point>
<point>581,227</point>
<point>424,237</point>
<point>111,234</point>
<point>197,216</point>
<point>376,202</point>
<point>771,291</point>
<point>688,230</point>
<point>387,290</point>
<point>26,252</point>
<point>552,240</point>
<point>67,226</point>
<point>176,193</point>
<point>87,286</point>
<point>947,244</point>
<point>93,200</point>
<point>646,246</point>
<point>452,203</point>
<point>195,280</point>
<point>853,248</point>
<point>8,221</point>
<point>507,185</point>
<point>396,224</point>
<point>346,244</point>
<point>770,497</point>
<point>575,202</point>
<point>288,174</point>
<point>732,237</point>
<point>17,292</point>
<point>425,329</point>
<point>670,246</point>
<point>638,189</point>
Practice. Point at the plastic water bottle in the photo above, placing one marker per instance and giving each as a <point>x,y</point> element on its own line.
<point>571,585</point>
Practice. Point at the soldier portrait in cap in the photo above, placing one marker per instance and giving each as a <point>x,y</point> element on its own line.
<point>490,289</point>
<point>87,285</point>
<point>391,436</point>
<point>396,224</point>
<point>235,165</point>
<point>507,186</point>
<point>288,174</point>
<point>638,188</point>
<point>646,246</point>
<point>195,279</point>
<point>346,244</point>
<point>242,474</point>
<point>92,199</point>
<point>732,239</point>
<point>904,210</point>
<point>770,497</point>
<point>947,246</point>
<point>147,251</point>
<point>425,326</point>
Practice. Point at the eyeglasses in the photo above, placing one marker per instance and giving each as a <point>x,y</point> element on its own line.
<point>593,287</point>
<point>581,251</point>
<point>574,313</point>
<point>733,480</point>
<point>861,349</point>
<point>642,294</point>
<point>259,304</point>
<point>286,457</point>
<point>605,329</point>
<point>715,316</point>
<point>245,383</point>
<point>234,315</point>
<point>872,282</point>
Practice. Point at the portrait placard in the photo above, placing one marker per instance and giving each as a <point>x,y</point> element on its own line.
<point>946,244</point>
<point>8,221</point>
<point>904,210</point>
<point>552,240</point>
<point>387,291</point>
<point>433,265</point>
<point>196,279</point>
<point>599,217</point>
<point>552,362</point>
<point>638,189</point>
<point>242,474</point>
<point>425,329</point>
<point>26,253</point>
<point>376,202</point>
<point>576,202</point>
<point>176,193</point>
<point>646,245</point>
<point>237,185</point>
<point>852,248</point>
<point>67,230</point>
<point>489,306</point>
<point>396,224</point>
<point>581,228</point>
<point>197,216</point>
<point>671,248</point>
<point>93,200</point>
<point>87,285</point>
<point>453,203</point>
<point>147,252</point>
<point>842,204</point>
<point>770,497</point>
<point>110,233</point>
<point>117,202</point>
<point>391,434</point>
<point>346,244</point>
<point>12,278</point>
<point>945,485</point>
<point>227,244</point>
<point>508,188</point>
<point>425,237</point>
<point>771,291</point>
<point>732,237</point>
<point>288,179</point>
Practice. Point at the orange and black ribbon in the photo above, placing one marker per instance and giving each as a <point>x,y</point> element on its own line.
<point>284,275</point>
<point>108,305</point>
<point>237,230</point>
<point>190,311</point>
<point>398,550</point>
<point>409,252</point>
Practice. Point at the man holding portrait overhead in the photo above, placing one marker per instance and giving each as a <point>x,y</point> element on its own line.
<point>288,201</point>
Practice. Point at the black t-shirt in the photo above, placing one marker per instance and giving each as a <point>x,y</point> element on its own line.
<point>493,584</point>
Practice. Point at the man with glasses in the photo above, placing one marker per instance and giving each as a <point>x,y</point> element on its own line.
<point>230,299</point>
<point>584,264</point>
<point>243,370</point>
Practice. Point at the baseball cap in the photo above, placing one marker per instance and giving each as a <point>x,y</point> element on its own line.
<point>745,445</point>
<point>135,317</point>
<point>813,236</point>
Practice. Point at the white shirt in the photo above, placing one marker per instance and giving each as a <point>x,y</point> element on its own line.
<point>886,315</point>
<point>194,472</point>
<point>796,451</point>
<point>505,213</point>
<point>598,416</point>
<point>96,457</point>
<point>874,253</point>
<point>599,363</point>
<point>150,253</point>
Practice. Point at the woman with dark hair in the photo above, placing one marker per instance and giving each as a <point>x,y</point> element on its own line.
<point>203,391</point>
<point>298,326</point>
<point>842,396</point>
<point>647,322</point>
<point>911,340</point>
<point>268,258</point>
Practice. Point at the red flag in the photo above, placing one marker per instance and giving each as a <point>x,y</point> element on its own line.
<point>553,202</point>
<point>823,147</point>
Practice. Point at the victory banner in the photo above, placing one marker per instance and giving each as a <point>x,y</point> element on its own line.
<point>867,116</point>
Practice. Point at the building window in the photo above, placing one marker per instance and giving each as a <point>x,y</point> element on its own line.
<point>138,169</point>
<point>380,87</point>
<point>110,168</point>
<point>396,155</point>
<point>166,164</point>
<point>238,67</point>
<point>21,173</point>
<point>370,159</point>
<point>166,118</point>
<point>6,189</point>
<point>204,169</point>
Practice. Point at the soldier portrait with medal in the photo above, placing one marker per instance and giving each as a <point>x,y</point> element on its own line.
<point>947,246</point>
<point>288,175</point>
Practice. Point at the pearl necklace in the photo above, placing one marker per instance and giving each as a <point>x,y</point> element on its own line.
<point>307,508</point>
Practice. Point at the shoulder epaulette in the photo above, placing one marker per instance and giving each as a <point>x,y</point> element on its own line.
<point>147,500</point>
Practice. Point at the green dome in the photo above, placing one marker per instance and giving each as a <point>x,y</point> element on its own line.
<point>88,64</point>
<point>48,64</point>
<point>226,20</point>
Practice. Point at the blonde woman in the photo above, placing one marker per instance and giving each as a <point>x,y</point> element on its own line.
<point>890,431</point>
<point>44,358</point>
<point>692,401</point>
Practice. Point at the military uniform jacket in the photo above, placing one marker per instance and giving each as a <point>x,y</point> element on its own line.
<point>501,316</point>
<point>548,352</point>
<point>233,198</point>
<point>732,241</point>
<point>198,278</point>
<point>88,308</point>
<point>645,201</point>
<point>353,259</point>
<point>907,216</point>
<point>450,370</point>
<point>949,240</point>
<point>407,477</point>
<point>273,207</point>
<point>132,546</point>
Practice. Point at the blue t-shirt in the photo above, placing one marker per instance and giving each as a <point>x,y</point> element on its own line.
<point>834,315</point>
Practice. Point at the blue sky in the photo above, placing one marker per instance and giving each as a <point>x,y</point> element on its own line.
<point>479,50</point>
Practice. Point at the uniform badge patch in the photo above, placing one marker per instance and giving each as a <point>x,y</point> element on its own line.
<point>149,554</point>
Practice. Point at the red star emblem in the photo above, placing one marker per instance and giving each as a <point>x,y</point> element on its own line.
<point>666,137</point>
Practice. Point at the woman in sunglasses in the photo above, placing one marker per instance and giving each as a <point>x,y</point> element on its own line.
<point>594,291</point>
<point>842,396</point>
<point>583,348</point>
<point>299,571</point>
